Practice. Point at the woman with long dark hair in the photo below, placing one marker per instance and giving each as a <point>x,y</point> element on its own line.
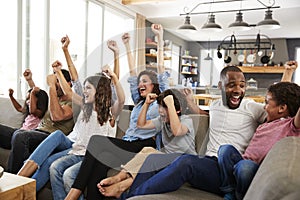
<point>96,117</point>
<point>104,153</point>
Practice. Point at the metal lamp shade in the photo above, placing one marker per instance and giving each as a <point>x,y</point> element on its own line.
<point>239,24</point>
<point>269,22</point>
<point>211,25</point>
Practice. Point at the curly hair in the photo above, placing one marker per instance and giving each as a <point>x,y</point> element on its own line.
<point>180,102</point>
<point>87,108</point>
<point>286,93</point>
<point>103,99</point>
<point>153,77</point>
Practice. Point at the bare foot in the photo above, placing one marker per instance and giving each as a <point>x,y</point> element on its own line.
<point>115,190</point>
<point>122,175</point>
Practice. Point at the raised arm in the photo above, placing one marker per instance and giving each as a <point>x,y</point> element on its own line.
<point>65,86</point>
<point>177,128</point>
<point>119,103</point>
<point>112,45</point>
<point>65,44</point>
<point>131,62</point>
<point>15,103</point>
<point>193,107</point>
<point>290,67</point>
<point>142,122</point>
<point>33,109</point>
<point>57,111</point>
<point>157,29</point>
<point>28,77</point>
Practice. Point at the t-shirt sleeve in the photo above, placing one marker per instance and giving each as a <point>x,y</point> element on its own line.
<point>188,122</point>
<point>157,123</point>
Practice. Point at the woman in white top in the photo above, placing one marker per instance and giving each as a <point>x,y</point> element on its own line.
<point>95,118</point>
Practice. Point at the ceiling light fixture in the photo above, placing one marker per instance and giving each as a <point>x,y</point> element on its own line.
<point>269,22</point>
<point>239,24</point>
<point>211,24</point>
<point>187,25</point>
<point>208,50</point>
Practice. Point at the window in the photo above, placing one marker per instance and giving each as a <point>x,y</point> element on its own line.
<point>35,42</point>
<point>9,74</point>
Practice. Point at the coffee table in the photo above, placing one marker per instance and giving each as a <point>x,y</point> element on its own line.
<point>14,187</point>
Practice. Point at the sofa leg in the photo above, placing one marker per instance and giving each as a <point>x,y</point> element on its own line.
<point>73,194</point>
<point>28,168</point>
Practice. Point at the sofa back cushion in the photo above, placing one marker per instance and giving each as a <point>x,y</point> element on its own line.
<point>123,122</point>
<point>200,123</point>
<point>9,116</point>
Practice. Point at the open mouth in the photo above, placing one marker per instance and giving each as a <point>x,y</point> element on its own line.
<point>235,100</point>
<point>142,90</point>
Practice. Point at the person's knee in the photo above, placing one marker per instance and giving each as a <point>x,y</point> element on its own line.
<point>19,136</point>
<point>245,169</point>
<point>54,169</point>
<point>224,149</point>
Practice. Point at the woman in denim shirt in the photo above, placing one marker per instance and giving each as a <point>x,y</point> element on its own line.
<point>104,153</point>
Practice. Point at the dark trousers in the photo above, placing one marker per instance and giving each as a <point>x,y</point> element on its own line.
<point>6,134</point>
<point>236,173</point>
<point>23,144</point>
<point>104,153</point>
<point>201,172</point>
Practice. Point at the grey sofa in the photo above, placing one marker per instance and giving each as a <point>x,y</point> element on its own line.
<point>277,178</point>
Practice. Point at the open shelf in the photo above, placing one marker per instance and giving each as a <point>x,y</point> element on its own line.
<point>263,69</point>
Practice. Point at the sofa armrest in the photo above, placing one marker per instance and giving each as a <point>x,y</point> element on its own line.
<point>278,175</point>
<point>9,116</point>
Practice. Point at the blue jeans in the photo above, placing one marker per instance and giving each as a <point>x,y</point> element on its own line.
<point>236,173</point>
<point>45,154</point>
<point>200,172</point>
<point>69,176</point>
<point>64,169</point>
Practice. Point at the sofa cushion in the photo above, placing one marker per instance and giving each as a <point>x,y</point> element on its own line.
<point>185,192</point>
<point>9,116</point>
<point>279,174</point>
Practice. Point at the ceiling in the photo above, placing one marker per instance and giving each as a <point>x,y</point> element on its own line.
<point>168,12</point>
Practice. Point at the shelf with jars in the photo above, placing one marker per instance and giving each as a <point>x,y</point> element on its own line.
<point>189,65</point>
<point>151,54</point>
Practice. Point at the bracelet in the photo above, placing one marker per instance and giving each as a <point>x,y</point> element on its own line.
<point>72,65</point>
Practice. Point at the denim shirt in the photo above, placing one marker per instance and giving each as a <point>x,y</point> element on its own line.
<point>133,133</point>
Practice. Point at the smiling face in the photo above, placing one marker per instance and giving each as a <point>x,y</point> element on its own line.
<point>145,85</point>
<point>89,92</point>
<point>274,110</point>
<point>234,87</point>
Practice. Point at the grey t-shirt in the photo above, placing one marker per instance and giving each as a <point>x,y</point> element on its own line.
<point>176,144</point>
